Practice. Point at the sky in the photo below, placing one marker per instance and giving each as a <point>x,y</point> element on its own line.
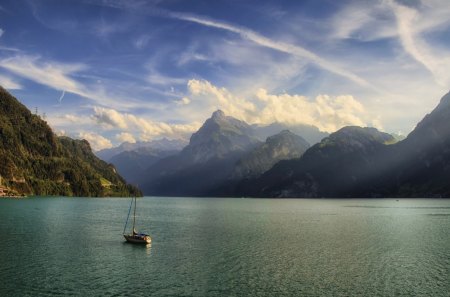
<point>111,71</point>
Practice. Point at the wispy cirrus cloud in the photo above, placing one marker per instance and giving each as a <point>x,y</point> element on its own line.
<point>362,21</point>
<point>9,83</point>
<point>411,39</point>
<point>411,23</point>
<point>61,76</point>
<point>263,41</point>
<point>9,49</point>
<point>142,41</point>
<point>51,74</point>
<point>156,78</point>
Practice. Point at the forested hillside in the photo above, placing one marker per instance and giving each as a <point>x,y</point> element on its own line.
<point>34,161</point>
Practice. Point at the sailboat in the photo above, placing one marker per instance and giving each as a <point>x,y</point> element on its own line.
<point>134,236</point>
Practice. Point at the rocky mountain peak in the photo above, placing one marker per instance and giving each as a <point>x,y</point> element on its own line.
<point>281,135</point>
<point>218,115</point>
<point>444,103</point>
<point>219,136</point>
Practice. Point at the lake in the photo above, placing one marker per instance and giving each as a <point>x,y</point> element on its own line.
<point>225,247</point>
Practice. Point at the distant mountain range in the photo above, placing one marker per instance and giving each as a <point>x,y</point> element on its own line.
<point>221,153</point>
<point>34,161</point>
<point>310,133</point>
<point>156,145</point>
<point>205,162</point>
<point>133,159</point>
<point>226,157</point>
<point>282,146</point>
<point>338,166</point>
<point>362,162</point>
<point>222,141</point>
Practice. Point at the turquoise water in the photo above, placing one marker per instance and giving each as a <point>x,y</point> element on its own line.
<point>225,247</point>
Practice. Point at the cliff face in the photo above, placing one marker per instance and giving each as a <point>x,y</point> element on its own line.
<point>206,162</point>
<point>34,161</point>
<point>219,137</point>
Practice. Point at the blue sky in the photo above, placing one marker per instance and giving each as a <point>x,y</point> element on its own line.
<point>115,70</point>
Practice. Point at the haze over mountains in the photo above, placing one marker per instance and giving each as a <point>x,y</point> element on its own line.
<point>219,138</point>
<point>361,162</point>
<point>206,162</point>
<point>226,157</point>
<point>222,152</point>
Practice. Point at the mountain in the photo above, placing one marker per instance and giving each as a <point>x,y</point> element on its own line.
<point>338,166</point>
<point>34,161</point>
<point>362,162</point>
<point>205,162</point>
<point>310,133</point>
<point>132,164</point>
<point>422,160</point>
<point>219,137</point>
<point>160,145</point>
<point>282,146</point>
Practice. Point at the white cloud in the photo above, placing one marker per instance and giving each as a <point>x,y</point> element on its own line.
<point>183,101</point>
<point>71,124</point>
<point>147,129</point>
<point>60,132</point>
<point>328,113</point>
<point>410,24</point>
<point>96,141</point>
<point>125,137</point>
<point>141,42</point>
<point>275,45</point>
<point>60,76</point>
<point>325,112</point>
<point>110,118</point>
<point>363,21</point>
<point>414,44</point>
<point>1,32</point>
<point>54,74</point>
<point>9,49</point>
<point>155,78</point>
<point>188,57</point>
<point>73,118</point>
<point>205,98</point>
<point>9,83</point>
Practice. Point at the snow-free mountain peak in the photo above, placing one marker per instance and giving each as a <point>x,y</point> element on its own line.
<point>219,136</point>
<point>218,115</point>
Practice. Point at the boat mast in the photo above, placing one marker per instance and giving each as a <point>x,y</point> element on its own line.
<point>134,215</point>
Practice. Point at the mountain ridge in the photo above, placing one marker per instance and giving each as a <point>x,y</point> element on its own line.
<point>366,165</point>
<point>281,146</point>
<point>205,162</point>
<point>34,161</point>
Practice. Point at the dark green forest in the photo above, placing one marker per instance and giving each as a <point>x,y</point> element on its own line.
<point>34,161</point>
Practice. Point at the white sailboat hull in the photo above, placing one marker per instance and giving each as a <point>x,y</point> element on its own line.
<point>135,237</point>
<point>145,239</point>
